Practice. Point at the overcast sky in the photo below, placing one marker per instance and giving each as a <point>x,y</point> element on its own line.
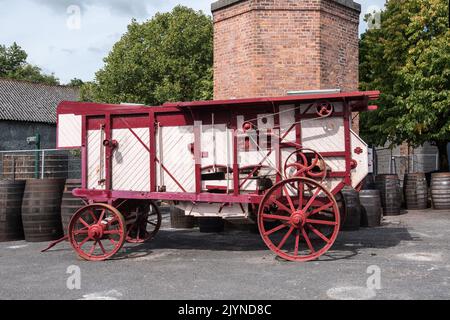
<point>59,43</point>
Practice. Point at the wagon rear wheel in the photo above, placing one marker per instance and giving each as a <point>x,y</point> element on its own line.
<point>147,225</point>
<point>97,232</point>
<point>298,219</point>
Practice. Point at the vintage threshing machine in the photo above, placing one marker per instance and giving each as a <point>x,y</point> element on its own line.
<point>278,162</point>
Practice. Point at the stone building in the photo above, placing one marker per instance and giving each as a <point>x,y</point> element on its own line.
<point>28,108</point>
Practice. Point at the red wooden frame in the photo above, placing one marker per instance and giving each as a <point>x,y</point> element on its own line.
<point>185,113</point>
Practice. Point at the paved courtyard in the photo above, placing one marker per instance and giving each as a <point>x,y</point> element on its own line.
<point>410,253</point>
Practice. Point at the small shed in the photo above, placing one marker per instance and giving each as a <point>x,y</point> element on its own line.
<point>28,108</point>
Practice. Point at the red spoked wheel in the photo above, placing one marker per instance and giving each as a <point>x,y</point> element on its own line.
<point>97,232</point>
<point>306,163</point>
<point>298,219</point>
<point>324,109</point>
<point>147,224</point>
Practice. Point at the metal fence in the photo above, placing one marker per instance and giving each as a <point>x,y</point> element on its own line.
<point>40,164</point>
<point>386,163</point>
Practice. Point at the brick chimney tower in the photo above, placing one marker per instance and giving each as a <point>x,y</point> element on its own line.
<point>269,47</point>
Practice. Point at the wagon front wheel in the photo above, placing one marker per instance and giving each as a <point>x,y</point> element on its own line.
<point>97,232</point>
<point>298,219</point>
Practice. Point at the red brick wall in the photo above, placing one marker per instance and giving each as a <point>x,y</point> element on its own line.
<point>269,47</point>
<point>339,47</point>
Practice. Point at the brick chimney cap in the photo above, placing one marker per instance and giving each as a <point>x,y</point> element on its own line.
<point>221,4</point>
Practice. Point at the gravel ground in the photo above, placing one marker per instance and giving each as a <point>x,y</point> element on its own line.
<point>410,253</point>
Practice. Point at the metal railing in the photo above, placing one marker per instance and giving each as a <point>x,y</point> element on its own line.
<point>403,164</point>
<point>40,164</point>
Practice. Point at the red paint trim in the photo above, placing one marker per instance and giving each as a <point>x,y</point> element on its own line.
<point>198,158</point>
<point>130,121</point>
<point>333,154</point>
<point>278,139</point>
<point>108,153</point>
<point>84,164</point>
<point>298,126</point>
<point>347,142</point>
<point>152,142</point>
<point>92,109</point>
<point>372,95</point>
<point>104,195</point>
<point>236,185</point>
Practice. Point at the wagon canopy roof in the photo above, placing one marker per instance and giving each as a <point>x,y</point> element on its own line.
<point>358,100</point>
<point>293,99</point>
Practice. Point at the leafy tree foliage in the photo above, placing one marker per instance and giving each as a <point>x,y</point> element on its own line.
<point>167,58</point>
<point>13,65</point>
<point>408,59</point>
<point>75,82</point>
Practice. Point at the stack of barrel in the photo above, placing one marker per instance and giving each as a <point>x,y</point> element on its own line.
<point>415,191</point>
<point>11,194</point>
<point>41,209</point>
<point>36,209</point>
<point>362,209</point>
<point>70,204</point>
<point>390,192</point>
<point>440,190</point>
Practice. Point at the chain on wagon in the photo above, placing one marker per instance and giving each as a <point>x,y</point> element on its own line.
<point>278,162</point>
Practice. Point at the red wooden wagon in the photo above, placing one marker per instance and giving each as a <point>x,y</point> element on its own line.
<point>279,162</point>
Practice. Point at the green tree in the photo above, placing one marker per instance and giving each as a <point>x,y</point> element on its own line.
<point>13,65</point>
<point>167,58</point>
<point>87,92</point>
<point>408,59</point>
<point>75,82</point>
<point>11,59</point>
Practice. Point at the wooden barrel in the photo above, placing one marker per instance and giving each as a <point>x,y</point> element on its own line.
<point>440,190</point>
<point>23,167</point>
<point>11,194</point>
<point>371,209</point>
<point>178,219</point>
<point>415,191</point>
<point>391,197</point>
<point>211,224</point>
<point>369,182</point>
<point>352,209</point>
<point>70,204</point>
<point>41,209</point>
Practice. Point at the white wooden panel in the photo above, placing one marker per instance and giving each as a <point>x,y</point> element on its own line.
<point>323,135</point>
<point>176,157</point>
<point>287,119</point>
<point>214,210</point>
<point>265,121</point>
<point>362,169</point>
<point>69,130</point>
<point>131,160</point>
<point>93,159</point>
<point>214,145</point>
<point>255,157</point>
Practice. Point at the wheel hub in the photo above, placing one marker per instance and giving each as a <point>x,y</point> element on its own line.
<point>298,219</point>
<point>95,232</point>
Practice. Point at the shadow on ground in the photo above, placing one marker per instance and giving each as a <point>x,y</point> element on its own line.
<point>346,246</point>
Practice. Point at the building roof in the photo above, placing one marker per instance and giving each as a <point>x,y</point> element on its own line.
<point>32,102</point>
